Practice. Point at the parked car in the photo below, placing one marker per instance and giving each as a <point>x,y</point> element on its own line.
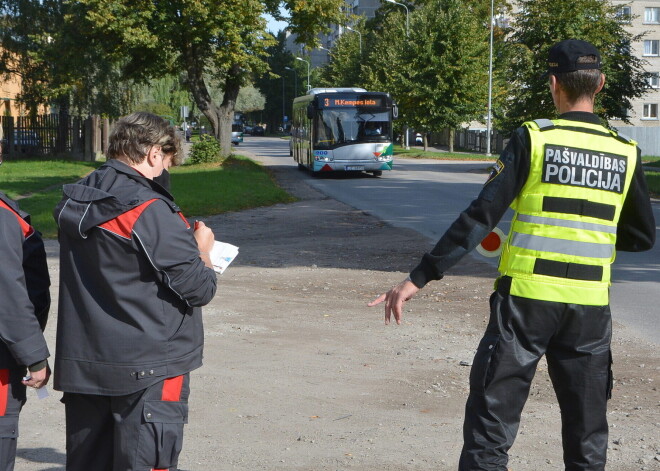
<point>247,129</point>
<point>26,142</point>
<point>258,131</point>
<point>236,134</point>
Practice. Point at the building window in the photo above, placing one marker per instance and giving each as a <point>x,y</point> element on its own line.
<point>623,14</point>
<point>652,15</point>
<point>651,47</point>
<point>650,111</point>
<point>654,79</point>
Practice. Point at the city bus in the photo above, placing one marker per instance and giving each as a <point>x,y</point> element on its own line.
<point>343,129</point>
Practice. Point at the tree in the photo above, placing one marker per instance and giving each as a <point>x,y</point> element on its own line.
<point>200,37</point>
<point>250,99</point>
<point>56,62</point>
<point>345,66</point>
<point>439,73</point>
<point>542,23</point>
<point>271,83</point>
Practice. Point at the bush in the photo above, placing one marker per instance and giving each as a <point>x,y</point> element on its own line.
<point>206,150</point>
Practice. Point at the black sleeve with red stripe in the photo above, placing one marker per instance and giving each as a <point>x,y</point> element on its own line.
<point>19,327</point>
<point>167,240</point>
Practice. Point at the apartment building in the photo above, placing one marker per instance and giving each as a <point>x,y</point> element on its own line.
<point>8,91</point>
<point>643,17</point>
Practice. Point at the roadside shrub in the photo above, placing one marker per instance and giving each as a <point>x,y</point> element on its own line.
<point>206,150</point>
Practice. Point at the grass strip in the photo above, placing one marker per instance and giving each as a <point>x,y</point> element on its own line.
<point>415,153</point>
<point>21,177</point>
<point>200,190</point>
<point>235,184</point>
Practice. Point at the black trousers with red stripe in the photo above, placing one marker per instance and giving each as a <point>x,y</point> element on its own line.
<point>576,342</point>
<point>142,431</point>
<point>12,399</point>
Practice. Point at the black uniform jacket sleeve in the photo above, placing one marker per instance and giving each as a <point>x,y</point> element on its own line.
<point>19,327</point>
<point>635,232</point>
<point>475,222</point>
<point>636,227</point>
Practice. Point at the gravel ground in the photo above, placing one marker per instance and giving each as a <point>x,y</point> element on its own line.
<point>300,375</point>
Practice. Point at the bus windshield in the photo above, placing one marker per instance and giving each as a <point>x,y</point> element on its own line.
<point>335,127</point>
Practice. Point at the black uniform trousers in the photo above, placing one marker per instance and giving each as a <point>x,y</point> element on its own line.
<point>142,431</point>
<point>12,399</point>
<point>576,342</point>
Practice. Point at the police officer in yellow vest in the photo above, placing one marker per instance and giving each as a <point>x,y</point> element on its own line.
<point>579,194</point>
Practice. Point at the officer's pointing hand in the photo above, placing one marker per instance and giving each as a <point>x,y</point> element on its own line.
<point>395,298</point>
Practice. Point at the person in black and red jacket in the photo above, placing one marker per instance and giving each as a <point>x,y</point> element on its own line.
<point>134,275</point>
<point>24,291</point>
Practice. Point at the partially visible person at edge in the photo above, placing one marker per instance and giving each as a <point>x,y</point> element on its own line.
<point>172,153</point>
<point>133,277</point>
<point>24,291</point>
<point>579,194</point>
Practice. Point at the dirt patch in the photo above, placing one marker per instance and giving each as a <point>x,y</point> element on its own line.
<point>300,375</point>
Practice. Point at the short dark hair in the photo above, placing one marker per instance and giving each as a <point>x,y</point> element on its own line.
<point>580,84</point>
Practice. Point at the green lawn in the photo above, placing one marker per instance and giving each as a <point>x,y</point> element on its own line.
<point>20,177</point>
<point>417,153</point>
<point>200,190</point>
<point>239,183</point>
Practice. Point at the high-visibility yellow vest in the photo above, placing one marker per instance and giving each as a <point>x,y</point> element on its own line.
<point>562,239</point>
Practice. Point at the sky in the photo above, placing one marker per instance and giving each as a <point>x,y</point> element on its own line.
<point>273,25</point>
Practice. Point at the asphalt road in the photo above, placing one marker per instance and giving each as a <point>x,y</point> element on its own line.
<point>427,195</point>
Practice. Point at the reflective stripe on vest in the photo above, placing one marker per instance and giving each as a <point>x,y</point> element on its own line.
<point>563,235</point>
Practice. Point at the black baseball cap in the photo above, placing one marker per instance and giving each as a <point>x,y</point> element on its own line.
<point>565,56</point>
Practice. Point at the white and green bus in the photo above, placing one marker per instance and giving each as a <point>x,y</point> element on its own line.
<point>343,129</point>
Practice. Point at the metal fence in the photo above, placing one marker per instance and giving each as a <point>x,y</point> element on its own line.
<point>53,135</point>
<point>648,138</point>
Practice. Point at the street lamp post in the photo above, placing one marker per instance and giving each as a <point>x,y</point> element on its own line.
<point>490,81</point>
<point>327,53</point>
<point>407,12</point>
<point>295,80</point>
<point>309,85</point>
<point>359,34</point>
<point>283,104</point>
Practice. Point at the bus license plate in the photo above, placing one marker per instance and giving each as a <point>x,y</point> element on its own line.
<point>350,168</point>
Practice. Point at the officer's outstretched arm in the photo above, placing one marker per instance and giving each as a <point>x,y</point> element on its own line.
<point>395,298</point>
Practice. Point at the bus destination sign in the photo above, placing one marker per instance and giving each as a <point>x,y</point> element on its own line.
<point>353,102</point>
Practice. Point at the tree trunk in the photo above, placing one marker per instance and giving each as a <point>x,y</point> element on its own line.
<point>452,131</point>
<point>227,108</point>
<point>62,124</point>
<point>199,90</point>
<point>425,141</point>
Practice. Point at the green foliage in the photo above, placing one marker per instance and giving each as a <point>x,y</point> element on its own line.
<point>542,23</point>
<point>206,150</point>
<point>271,84</point>
<point>438,73</point>
<point>345,66</point>
<point>250,99</point>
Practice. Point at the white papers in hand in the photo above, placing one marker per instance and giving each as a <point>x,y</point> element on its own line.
<point>222,255</point>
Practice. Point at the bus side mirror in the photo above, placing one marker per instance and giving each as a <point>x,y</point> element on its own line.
<point>310,111</point>
<point>395,112</point>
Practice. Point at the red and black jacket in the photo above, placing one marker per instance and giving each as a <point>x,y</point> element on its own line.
<point>131,285</point>
<point>24,289</point>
